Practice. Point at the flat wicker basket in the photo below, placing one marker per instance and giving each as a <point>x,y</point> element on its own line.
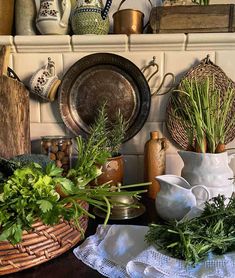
<point>221,81</point>
<point>40,245</point>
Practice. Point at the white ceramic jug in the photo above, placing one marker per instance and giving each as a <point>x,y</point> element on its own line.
<point>209,169</point>
<point>176,197</point>
<point>53,16</point>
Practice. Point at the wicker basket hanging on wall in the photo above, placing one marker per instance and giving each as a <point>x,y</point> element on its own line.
<point>206,68</point>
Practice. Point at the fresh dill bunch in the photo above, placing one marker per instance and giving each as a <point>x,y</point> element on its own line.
<point>192,240</point>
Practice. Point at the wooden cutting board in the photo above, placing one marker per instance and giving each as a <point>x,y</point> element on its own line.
<point>14,112</point>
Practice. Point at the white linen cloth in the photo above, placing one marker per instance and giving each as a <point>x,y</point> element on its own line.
<point>119,251</point>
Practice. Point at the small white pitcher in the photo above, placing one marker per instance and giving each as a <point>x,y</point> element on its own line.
<point>53,16</point>
<point>176,197</point>
<point>44,82</point>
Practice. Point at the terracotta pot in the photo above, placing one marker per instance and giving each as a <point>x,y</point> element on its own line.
<point>7,16</point>
<point>113,170</point>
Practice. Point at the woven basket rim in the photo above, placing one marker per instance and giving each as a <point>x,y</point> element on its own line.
<point>203,69</point>
<point>41,244</point>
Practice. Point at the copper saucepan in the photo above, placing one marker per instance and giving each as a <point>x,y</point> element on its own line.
<point>128,21</point>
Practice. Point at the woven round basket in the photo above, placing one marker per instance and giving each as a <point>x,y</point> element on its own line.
<point>40,245</point>
<point>221,81</point>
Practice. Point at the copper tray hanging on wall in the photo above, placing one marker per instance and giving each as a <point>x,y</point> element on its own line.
<point>104,78</point>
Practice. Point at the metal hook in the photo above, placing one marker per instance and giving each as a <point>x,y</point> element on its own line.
<point>162,83</point>
<point>152,63</point>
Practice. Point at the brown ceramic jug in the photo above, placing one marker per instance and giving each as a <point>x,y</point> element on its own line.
<point>154,162</point>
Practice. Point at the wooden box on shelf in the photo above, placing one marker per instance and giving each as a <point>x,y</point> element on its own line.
<point>193,19</point>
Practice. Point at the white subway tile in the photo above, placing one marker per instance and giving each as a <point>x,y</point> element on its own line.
<point>43,44</point>
<point>71,58</point>
<point>131,175</point>
<point>158,106</point>
<point>34,111</point>
<point>136,144</point>
<point>179,63</point>
<point>174,164</point>
<point>50,112</point>
<point>143,59</point>
<point>226,60</point>
<point>25,65</point>
<point>43,129</point>
<point>173,147</point>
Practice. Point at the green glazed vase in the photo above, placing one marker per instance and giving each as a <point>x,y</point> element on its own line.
<point>90,17</point>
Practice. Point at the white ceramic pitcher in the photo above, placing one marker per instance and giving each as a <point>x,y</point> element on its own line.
<point>209,169</point>
<point>53,16</point>
<point>176,197</point>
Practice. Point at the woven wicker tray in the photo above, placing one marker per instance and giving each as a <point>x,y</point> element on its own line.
<point>222,82</point>
<point>41,245</point>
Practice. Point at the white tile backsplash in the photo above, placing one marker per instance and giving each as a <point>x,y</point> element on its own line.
<point>25,65</point>
<point>50,112</point>
<point>175,53</point>
<point>226,60</point>
<point>136,144</point>
<point>43,129</point>
<point>35,116</point>
<point>174,164</point>
<point>179,63</point>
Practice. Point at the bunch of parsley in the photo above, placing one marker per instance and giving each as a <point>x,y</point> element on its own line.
<point>29,194</point>
<point>192,240</point>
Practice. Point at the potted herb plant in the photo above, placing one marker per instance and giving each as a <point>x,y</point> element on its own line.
<point>112,136</point>
<point>204,111</point>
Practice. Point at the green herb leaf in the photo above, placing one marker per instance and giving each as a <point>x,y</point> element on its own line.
<point>45,205</point>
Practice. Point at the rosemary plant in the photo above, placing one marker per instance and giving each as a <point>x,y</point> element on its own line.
<point>113,133</point>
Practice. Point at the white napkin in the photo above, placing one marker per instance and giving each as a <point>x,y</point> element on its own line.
<point>119,251</point>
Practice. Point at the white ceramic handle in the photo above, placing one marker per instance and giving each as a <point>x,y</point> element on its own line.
<point>204,188</point>
<point>66,4</point>
<point>230,156</point>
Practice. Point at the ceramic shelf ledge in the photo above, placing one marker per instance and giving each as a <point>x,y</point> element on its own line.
<point>43,44</point>
<point>157,42</point>
<point>8,40</point>
<point>99,43</point>
<point>120,43</point>
<point>211,41</point>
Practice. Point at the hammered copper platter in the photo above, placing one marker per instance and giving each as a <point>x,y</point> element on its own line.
<point>104,78</point>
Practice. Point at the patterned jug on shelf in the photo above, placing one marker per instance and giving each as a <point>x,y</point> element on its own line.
<point>53,16</point>
<point>89,17</point>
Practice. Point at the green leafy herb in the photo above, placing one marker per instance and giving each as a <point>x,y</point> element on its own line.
<point>192,240</point>
<point>27,195</point>
<point>30,194</point>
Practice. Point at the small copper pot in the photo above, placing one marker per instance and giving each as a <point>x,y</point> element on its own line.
<point>113,170</point>
<point>128,21</point>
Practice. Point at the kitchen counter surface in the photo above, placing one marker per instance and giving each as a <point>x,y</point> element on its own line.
<point>67,265</point>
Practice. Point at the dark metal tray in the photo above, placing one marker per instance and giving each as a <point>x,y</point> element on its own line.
<point>104,78</point>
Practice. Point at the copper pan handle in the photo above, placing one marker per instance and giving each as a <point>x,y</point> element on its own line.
<point>125,1</point>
